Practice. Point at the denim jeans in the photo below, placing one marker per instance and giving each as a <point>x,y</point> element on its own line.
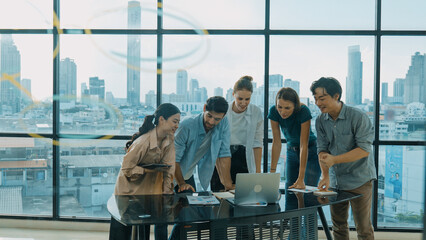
<point>312,172</point>
<point>312,175</point>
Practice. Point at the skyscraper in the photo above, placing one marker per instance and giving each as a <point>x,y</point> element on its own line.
<point>398,87</point>
<point>414,86</point>
<point>384,92</point>
<point>293,84</point>
<point>354,78</point>
<point>218,91</point>
<point>67,78</point>
<point>10,95</point>
<point>26,92</point>
<point>182,83</point>
<point>97,87</point>
<point>84,90</point>
<point>133,54</point>
<point>276,81</point>
<point>193,87</point>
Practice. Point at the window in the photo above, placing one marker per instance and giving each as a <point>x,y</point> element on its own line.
<point>82,91</point>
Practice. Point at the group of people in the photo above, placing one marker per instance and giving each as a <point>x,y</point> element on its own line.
<point>227,139</point>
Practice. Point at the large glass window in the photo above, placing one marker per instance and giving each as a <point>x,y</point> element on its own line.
<point>26,83</point>
<point>194,14</point>
<point>75,71</point>
<point>217,62</point>
<point>104,81</point>
<point>297,61</point>
<point>403,15</point>
<point>25,176</point>
<point>401,186</point>
<point>108,14</point>
<point>25,14</point>
<point>403,96</point>
<point>89,169</point>
<point>322,15</point>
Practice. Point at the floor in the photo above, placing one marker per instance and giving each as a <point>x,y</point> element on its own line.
<point>35,234</point>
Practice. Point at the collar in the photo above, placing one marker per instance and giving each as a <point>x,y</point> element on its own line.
<point>153,143</point>
<point>248,112</point>
<point>342,113</point>
<point>200,124</point>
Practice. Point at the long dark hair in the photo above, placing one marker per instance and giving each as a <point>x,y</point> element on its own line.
<point>165,110</point>
<point>289,94</point>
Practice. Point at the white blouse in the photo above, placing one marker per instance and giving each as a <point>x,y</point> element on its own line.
<point>247,130</point>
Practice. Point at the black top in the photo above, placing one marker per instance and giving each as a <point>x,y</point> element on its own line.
<point>170,209</point>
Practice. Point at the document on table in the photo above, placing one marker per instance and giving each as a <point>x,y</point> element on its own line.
<point>308,189</point>
<point>223,195</point>
<point>202,200</point>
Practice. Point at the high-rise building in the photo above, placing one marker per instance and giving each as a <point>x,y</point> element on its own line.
<point>385,92</point>
<point>229,96</point>
<point>218,91</point>
<point>354,78</point>
<point>67,78</point>
<point>203,94</point>
<point>10,99</point>
<point>133,54</point>
<point>26,91</point>
<point>276,81</point>
<point>398,87</point>
<point>109,97</point>
<point>414,85</point>
<point>97,87</point>
<point>84,90</point>
<point>293,84</point>
<point>193,87</point>
<point>181,82</point>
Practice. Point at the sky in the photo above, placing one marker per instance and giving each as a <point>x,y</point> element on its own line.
<point>215,60</point>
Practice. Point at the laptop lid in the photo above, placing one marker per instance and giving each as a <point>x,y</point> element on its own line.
<point>257,188</point>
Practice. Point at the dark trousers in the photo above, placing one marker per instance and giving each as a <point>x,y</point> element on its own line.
<point>118,231</point>
<point>176,228</point>
<point>238,165</point>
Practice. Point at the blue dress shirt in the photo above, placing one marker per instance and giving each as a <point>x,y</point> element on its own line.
<point>188,139</point>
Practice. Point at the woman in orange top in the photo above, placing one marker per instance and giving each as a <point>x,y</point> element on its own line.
<point>153,144</point>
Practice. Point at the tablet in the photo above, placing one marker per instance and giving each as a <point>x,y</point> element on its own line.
<point>155,165</point>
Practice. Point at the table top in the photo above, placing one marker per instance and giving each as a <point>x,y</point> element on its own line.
<point>170,209</point>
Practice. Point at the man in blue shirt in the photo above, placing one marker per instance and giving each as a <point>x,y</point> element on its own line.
<point>204,141</point>
<point>344,136</point>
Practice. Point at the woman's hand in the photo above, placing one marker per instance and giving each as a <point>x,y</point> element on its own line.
<point>299,184</point>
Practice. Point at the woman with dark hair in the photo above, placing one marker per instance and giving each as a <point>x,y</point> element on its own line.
<point>302,166</point>
<point>246,124</point>
<point>152,144</point>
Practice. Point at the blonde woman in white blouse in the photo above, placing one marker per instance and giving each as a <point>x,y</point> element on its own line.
<point>246,123</point>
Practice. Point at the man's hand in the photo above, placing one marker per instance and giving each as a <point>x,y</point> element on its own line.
<point>327,159</point>
<point>185,186</point>
<point>299,184</point>
<point>324,184</point>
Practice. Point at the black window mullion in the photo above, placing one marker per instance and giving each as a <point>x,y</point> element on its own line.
<point>377,58</point>
<point>55,110</point>
<point>266,87</point>
<point>159,50</point>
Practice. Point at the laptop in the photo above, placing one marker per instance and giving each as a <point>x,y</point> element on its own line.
<point>256,189</point>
